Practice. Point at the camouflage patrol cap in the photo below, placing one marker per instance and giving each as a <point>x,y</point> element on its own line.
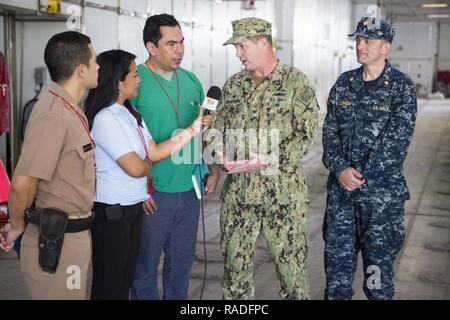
<point>373,28</point>
<point>247,28</point>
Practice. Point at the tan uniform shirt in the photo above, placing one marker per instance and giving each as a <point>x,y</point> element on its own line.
<point>58,151</point>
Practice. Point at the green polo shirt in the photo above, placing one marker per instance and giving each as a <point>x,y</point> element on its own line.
<point>172,174</point>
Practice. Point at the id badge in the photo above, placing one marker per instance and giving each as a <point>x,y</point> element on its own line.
<point>149,185</point>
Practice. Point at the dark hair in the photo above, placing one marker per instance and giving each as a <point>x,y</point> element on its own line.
<point>64,52</point>
<point>114,67</point>
<point>152,31</point>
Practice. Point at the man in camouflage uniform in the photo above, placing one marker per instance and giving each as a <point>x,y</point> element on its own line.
<point>267,191</point>
<point>367,131</point>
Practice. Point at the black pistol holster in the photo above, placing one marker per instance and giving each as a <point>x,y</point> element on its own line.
<point>52,226</point>
<point>53,223</point>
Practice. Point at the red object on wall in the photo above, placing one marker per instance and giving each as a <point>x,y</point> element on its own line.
<point>4,190</point>
<point>4,99</point>
<point>3,219</point>
<point>444,76</point>
<point>4,121</point>
<point>4,184</point>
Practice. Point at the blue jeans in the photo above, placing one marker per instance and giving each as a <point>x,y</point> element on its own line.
<point>172,229</point>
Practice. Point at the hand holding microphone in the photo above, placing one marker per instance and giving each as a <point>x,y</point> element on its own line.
<point>204,118</point>
<point>201,123</point>
<point>210,104</point>
<point>212,100</point>
<point>197,125</point>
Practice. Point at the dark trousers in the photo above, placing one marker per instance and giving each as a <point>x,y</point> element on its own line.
<point>377,229</point>
<point>115,246</point>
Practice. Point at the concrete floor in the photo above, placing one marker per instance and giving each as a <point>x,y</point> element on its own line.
<point>423,267</point>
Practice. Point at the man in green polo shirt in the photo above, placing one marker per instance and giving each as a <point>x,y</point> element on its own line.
<point>168,99</point>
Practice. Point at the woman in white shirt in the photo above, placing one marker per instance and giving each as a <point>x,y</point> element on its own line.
<point>123,155</point>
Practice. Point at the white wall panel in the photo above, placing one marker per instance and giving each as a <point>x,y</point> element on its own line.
<point>202,41</point>
<point>23,4</point>
<point>413,52</point>
<point>402,45</point>
<point>201,56</point>
<point>264,10</point>
<point>102,27</point>
<point>112,3</point>
<point>130,37</point>
<point>367,9</point>
<point>159,6</point>
<point>444,47</point>
<point>219,35</point>
<point>36,36</point>
<point>183,10</point>
<point>284,21</point>
<point>321,45</point>
<point>188,46</point>
<point>139,6</point>
<point>234,12</point>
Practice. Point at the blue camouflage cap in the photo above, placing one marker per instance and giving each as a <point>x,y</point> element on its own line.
<point>373,28</point>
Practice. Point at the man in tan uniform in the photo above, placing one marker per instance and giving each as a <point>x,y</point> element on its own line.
<point>56,170</point>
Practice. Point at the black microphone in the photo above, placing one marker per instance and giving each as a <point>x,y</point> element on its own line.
<point>211,100</point>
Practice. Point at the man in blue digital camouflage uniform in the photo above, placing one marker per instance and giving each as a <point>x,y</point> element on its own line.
<point>366,134</point>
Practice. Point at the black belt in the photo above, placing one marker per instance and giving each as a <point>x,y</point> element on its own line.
<point>73,225</point>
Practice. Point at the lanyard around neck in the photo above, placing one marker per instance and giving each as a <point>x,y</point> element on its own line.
<point>149,178</point>
<point>175,109</point>
<point>74,109</point>
<point>141,135</point>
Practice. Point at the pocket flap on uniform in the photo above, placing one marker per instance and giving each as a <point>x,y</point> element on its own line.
<point>85,151</point>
